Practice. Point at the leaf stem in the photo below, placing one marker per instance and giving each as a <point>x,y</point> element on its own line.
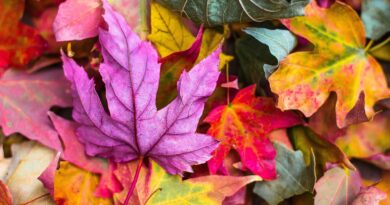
<point>155,191</point>
<point>383,43</point>
<point>144,18</point>
<point>32,200</point>
<point>227,81</point>
<point>368,45</point>
<point>134,182</point>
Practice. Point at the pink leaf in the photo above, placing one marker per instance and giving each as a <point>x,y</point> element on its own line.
<point>25,101</point>
<point>80,19</point>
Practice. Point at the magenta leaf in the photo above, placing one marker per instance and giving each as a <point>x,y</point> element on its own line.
<point>134,128</point>
<point>74,152</point>
<point>25,101</point>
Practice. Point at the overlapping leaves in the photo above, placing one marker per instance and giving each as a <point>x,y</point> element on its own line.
<point>213,13</point>
<point>134,129</point>
<point>339,63</point>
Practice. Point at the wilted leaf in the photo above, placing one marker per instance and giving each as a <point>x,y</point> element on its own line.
<point>156,186</point>
<point>25,101</point>
<point>134,129</point>
<point>375,16</point>
<point>243,125</point>
<point>20,43</point>
<point>338,64</point>
<point>325,152</point>
<point>28,162</point>
<point>74,186</point>
<point>337,186</point>
<point>280,43</point>
<point>294,177</point>
<point>214,13</point>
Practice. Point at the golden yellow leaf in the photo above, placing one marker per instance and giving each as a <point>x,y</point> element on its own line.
<point>75,186</point>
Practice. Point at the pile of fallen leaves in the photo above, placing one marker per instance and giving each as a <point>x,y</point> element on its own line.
<point>181,102</point>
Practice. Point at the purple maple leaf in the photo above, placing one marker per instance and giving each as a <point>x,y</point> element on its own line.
<point>134,128</point>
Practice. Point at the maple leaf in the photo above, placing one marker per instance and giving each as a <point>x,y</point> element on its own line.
<point>79,19</point>
<point>20,43</point>
<point>74,152</point>
<point>158,187</point>
<point>244,125</point>
<point>25,101</point>
<point>339,63</point>
<point>178,48</point>
<point>134,128</point>
<point>76,186</point>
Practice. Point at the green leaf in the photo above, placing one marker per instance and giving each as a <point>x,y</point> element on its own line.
<point>308,142</point>
<point>294,177</point>
<point>252,56</point>
<point>214,13</point>
<point>280,43</point>
<point>376,15</point>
